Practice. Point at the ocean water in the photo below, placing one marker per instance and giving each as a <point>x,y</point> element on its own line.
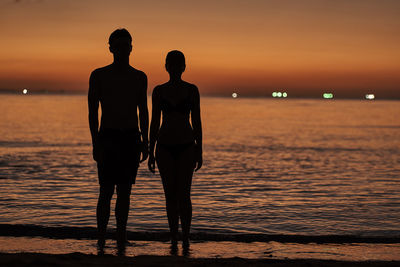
<point>271,167</point>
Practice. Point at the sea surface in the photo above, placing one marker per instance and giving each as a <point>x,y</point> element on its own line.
<point>302,167</point>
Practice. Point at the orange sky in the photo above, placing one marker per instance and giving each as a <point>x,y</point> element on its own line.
<point>250,46</point>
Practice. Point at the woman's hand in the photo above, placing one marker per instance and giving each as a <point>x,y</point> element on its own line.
<point>151,163</point>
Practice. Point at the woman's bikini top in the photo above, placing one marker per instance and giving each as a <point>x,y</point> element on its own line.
<point>184,106</point>
<point>176,127</point>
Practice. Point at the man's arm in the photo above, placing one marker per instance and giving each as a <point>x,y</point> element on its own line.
<point>144,118</point>
<point>196,124</point>
<point>93,104</point>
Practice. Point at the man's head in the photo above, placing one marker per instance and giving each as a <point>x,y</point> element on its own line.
<point>120,42</point>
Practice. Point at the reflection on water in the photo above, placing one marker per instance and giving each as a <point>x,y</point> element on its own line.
<point>254,250</point>
<point>288,167</point>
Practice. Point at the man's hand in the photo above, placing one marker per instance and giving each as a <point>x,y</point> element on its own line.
<point>199,158</point>
<point>152,163</point>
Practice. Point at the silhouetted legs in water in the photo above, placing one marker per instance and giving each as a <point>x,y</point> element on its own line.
<point>176,165</point>
<point>121,213</point>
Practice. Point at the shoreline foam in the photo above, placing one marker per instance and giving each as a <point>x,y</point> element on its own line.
<point>64,232</point>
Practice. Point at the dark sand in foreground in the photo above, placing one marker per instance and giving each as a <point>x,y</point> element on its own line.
<point>79,259</point>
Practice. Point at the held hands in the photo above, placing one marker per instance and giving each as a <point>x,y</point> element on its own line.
<point>152,163</point>
<point>98,152</point>
<point>145,152</point>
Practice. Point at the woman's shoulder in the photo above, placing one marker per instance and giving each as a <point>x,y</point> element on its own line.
<point>189,85</point>
<point>158,89</point>
<point>161,86</point>
<point>192,88</point>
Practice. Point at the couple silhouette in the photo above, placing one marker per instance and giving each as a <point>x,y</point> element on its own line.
<point>121,141</point>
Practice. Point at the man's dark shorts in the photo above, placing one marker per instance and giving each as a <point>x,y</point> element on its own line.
<point>120,156</point>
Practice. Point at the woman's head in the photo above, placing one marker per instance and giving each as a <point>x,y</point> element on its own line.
<point>175,62</point>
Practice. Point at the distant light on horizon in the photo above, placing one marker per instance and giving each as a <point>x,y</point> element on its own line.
<point>279,94</point>
<point>25,91</point>
<point>234,95</point>
<point>328,95</point>
<point>370,96</point>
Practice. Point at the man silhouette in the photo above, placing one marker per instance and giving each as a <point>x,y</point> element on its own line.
<point>118,143</point>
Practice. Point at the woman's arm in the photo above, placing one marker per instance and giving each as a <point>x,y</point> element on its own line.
<point>196,124</point>
<point>154,127</point>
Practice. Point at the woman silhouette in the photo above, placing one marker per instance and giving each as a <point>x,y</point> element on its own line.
<point>179,144</point>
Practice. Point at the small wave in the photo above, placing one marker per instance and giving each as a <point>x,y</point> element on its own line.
<point>64,232</point>
<point>366,126</point>
<point>39,144</point>
<point>281,148</point>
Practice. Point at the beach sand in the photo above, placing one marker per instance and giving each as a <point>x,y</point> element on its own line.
<point>209,249</point>
<point>38,251</point>
<point>80,259</point>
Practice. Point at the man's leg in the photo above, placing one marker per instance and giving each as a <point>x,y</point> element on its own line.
<point>126,169</point>
<point>103,211</point>
<point>122,211</point>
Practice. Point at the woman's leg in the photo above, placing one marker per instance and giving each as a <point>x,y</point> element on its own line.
<point>166,165</point>
<point>185,167</point>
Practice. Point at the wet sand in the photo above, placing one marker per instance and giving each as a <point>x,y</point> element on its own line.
<point>35,251</point>
<point>79,259</point>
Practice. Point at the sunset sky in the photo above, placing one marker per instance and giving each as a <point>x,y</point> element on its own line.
<point>252,47</point>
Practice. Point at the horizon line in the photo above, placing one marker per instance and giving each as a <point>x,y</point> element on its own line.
<point>297,96</point>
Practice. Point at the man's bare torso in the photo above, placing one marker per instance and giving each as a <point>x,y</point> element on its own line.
<point>119,91</point>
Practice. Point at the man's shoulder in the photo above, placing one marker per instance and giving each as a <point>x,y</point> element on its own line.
<point>101,70</point>
<point>137,72</point>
